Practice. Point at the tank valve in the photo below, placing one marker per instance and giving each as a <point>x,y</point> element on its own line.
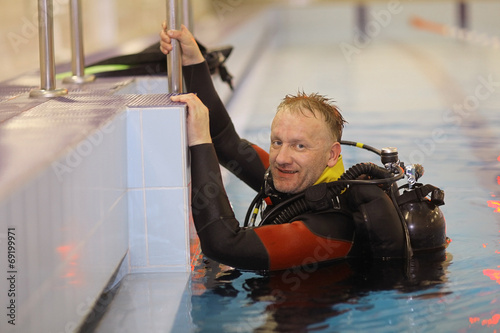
<point>390,158</point>
<point>410,174</point>
<point>413,172</point>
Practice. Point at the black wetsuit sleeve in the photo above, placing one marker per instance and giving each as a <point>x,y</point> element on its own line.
<point>221,236</point>
<point>274,247</point>
<point>239,156</point>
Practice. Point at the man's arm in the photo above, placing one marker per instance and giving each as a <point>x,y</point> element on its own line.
<point>247,161</point>
<point>312,239</point>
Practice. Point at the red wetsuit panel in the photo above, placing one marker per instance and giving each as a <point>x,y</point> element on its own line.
<point>293,244</point>
<point>263,155</point>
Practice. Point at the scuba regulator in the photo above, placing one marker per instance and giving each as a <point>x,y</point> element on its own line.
<point>417,205</point>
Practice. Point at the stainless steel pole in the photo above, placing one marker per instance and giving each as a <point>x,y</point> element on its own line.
<point>174,61</point>
<point>78,56</point>
<point>187,13</point>
<point>46,44</point>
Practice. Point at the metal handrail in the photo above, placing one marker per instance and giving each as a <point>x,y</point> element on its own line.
<point>176,9</point>
<point>174,61</point>
<point>187,15</point>
<point>77,54</point>
<point>46,44</point>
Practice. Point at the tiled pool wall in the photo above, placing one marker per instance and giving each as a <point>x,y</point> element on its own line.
<point>91,182</point>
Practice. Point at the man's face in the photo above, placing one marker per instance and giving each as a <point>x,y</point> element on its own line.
<point>301,148</point>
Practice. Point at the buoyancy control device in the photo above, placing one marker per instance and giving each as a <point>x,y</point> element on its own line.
<point>417,205</point>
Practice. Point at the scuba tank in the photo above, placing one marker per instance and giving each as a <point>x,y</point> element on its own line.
<point>421,220</point>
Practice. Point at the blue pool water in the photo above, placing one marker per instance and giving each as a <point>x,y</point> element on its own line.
<point>438,101</point>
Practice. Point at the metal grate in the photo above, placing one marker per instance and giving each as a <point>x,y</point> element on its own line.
<point>153,100</point>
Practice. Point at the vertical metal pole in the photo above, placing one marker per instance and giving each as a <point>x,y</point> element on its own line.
<point>46,43</point>
<point>187,15</point>
<point>78,56</point>
<point>462,15</point>
<point>174,61</point>
<point>361,19</point>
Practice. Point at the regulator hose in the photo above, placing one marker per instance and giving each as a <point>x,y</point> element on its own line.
<point>323,195</point>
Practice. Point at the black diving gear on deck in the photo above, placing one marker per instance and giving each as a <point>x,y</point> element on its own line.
<point>151,61</point>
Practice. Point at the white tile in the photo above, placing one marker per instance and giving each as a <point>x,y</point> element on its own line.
<point>85,270</point>
<point>185,150</point>
<point>73,233</point>
<point>168,232</point>
<point>163,154</point>
<point>134,149</point>
<point>32,231</point>
<point>145,303</point>
<point>112,161</point>
<point>109,242</point>
<point>137,228</point>
<point>48,237</point>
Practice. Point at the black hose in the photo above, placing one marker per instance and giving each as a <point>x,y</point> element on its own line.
<point>298,204</point>
<point>361,145</point>
<point>258,198</point>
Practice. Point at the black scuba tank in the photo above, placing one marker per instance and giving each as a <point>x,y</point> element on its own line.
<point>426,225</point>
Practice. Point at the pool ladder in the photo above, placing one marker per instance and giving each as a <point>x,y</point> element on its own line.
<point>176,9</point>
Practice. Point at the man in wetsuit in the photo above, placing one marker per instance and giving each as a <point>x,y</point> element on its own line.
<point>304,151</point>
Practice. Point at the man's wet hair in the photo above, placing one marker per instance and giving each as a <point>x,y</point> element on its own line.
<point>317,104</point>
